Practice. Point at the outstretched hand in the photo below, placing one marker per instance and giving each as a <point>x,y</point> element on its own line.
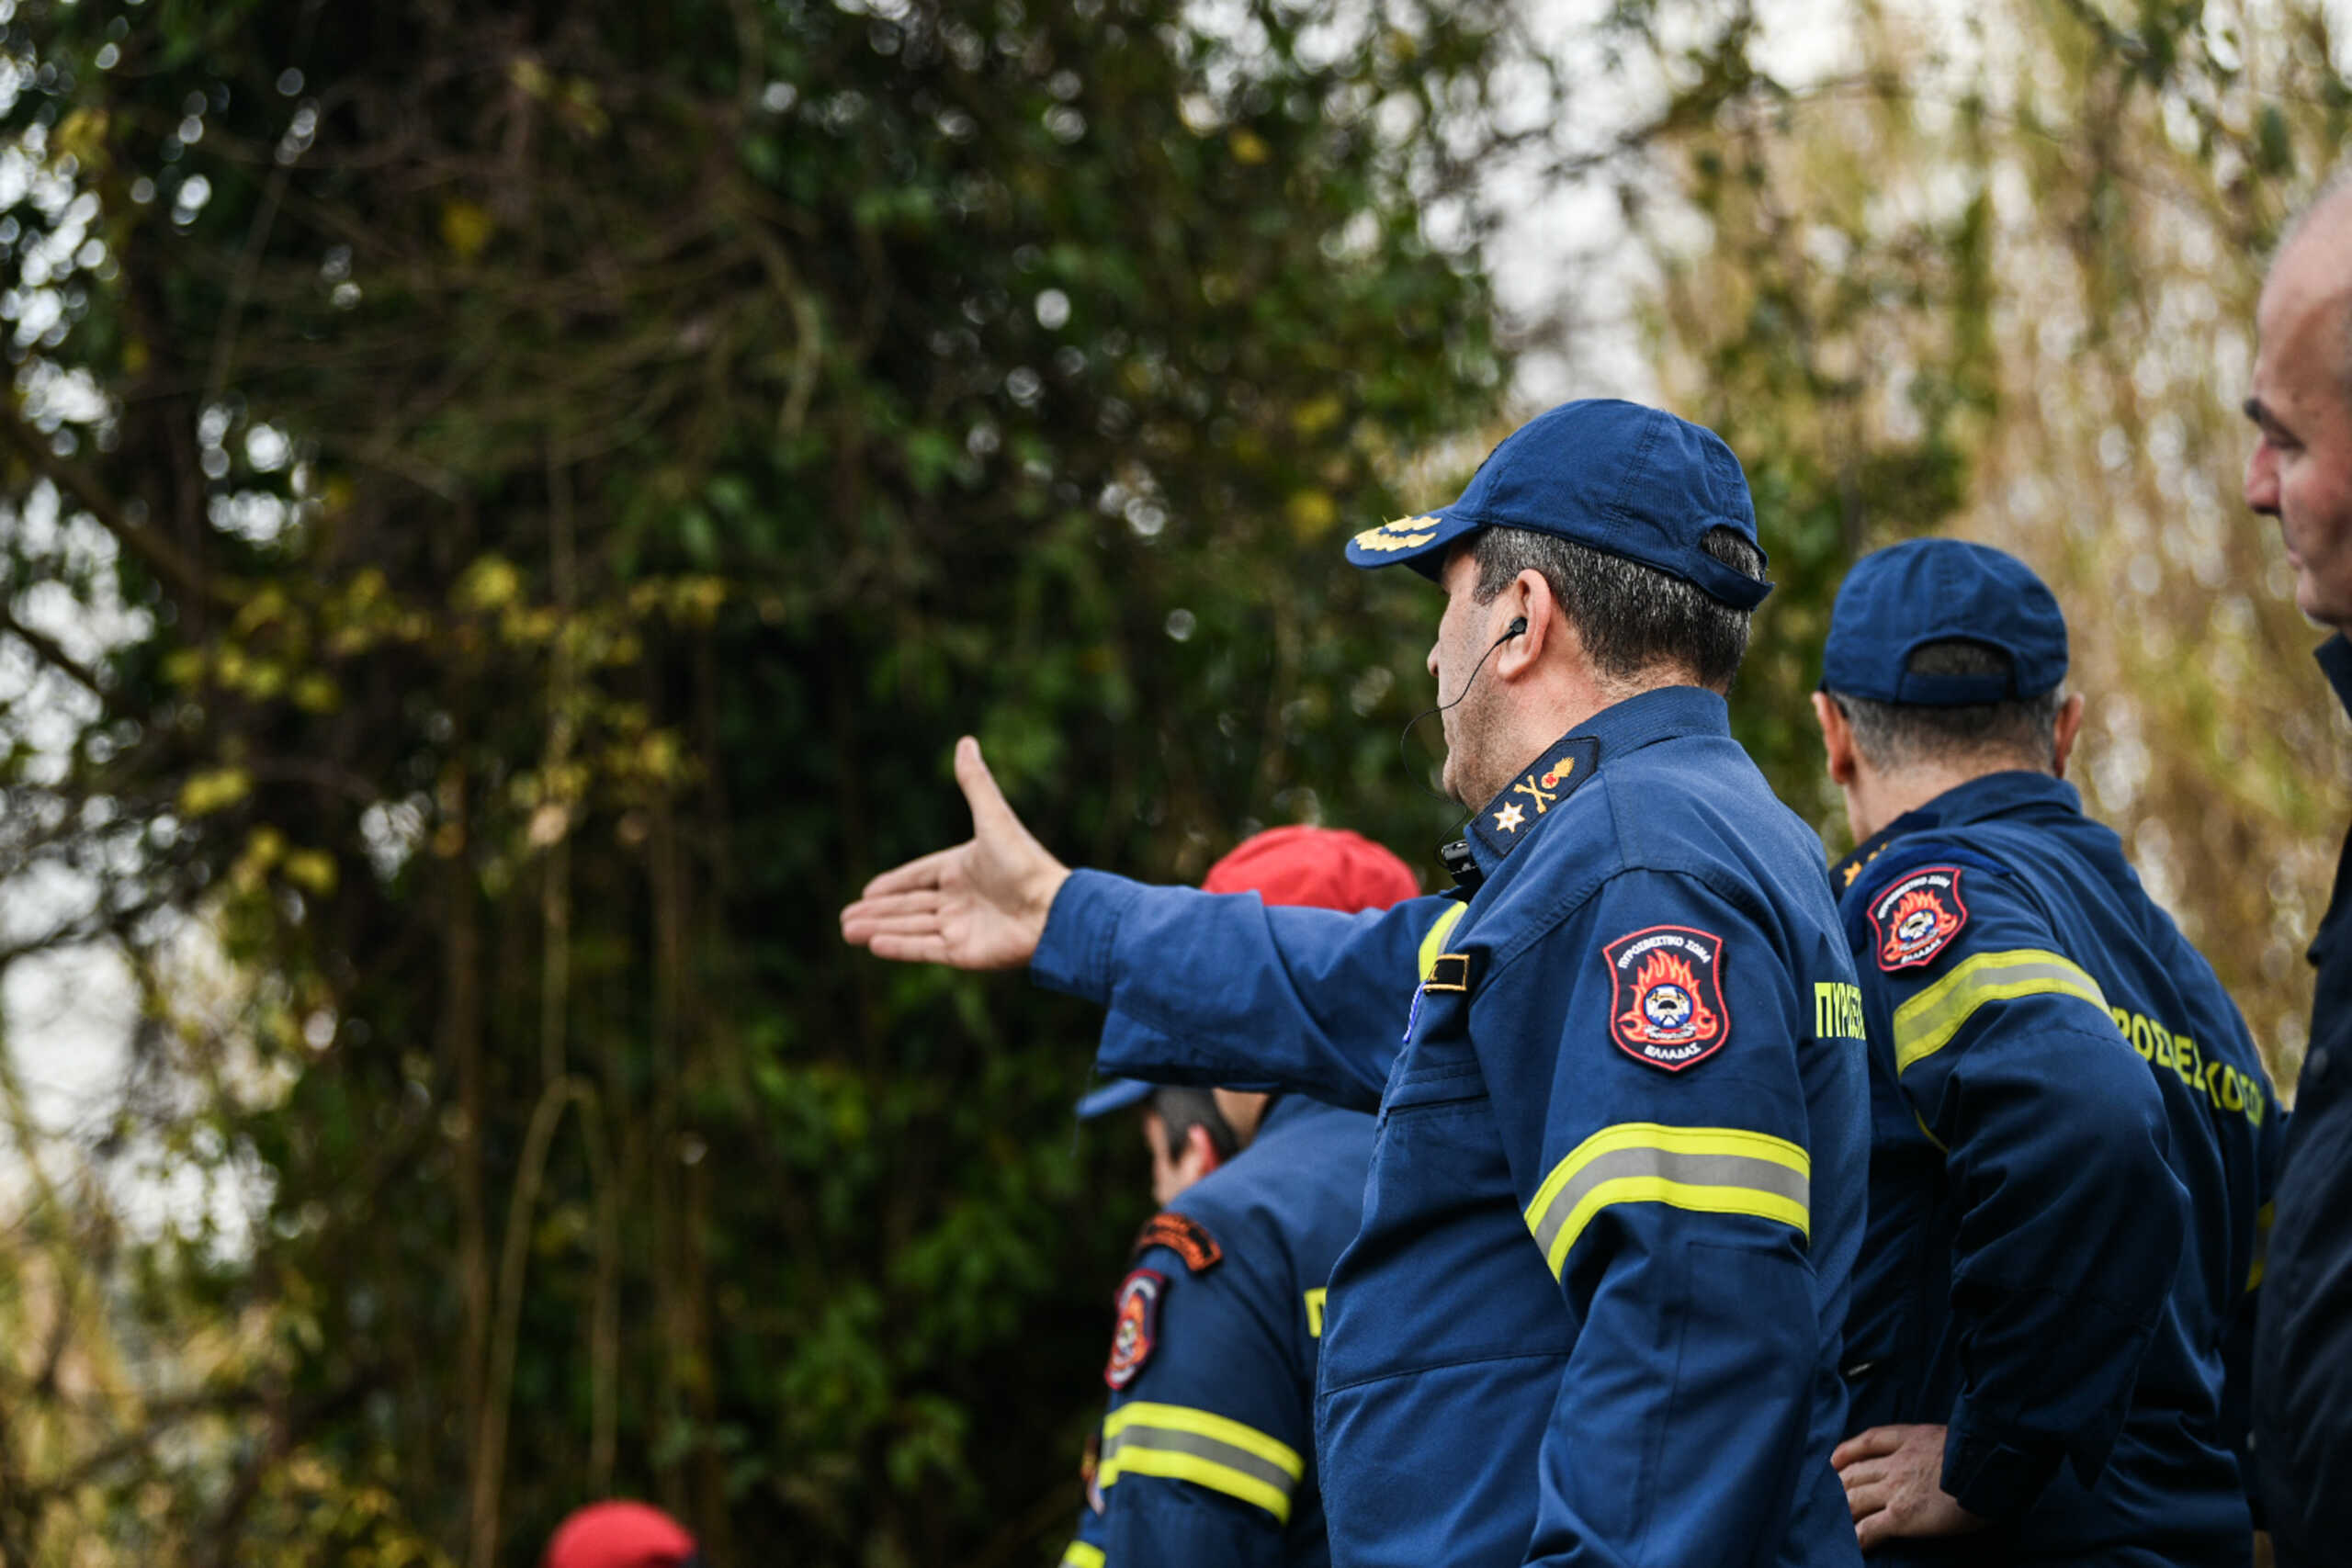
<point>982,905</point>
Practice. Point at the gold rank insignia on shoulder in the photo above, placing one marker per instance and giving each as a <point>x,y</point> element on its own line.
<point>1511,816</point>
<point>1845,871</point>
<point>1403,533</point>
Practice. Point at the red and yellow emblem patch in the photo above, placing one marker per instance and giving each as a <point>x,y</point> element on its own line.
<point>1181,1235</point>
<point>1136,1330</point>
<point>1666,1002</point>
<point>1917,916</point>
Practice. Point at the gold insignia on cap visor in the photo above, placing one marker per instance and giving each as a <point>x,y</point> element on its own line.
<point>1403,533</point>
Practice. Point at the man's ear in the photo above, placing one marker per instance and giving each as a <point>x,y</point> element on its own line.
<point>1530,599</point>
<point>1837,738</point>
<point>2070,724</point>
<point>1199,1152</point>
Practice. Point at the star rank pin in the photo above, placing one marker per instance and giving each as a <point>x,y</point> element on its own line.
<point>1535,793</point>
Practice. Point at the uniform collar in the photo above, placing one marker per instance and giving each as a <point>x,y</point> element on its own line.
<point>1662,713</point>
<point>1987,795</point>
<point>1281,1110</point>
<point>2335,657</point>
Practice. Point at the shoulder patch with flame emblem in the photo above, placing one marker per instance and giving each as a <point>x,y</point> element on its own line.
<point>1916,918</point>
<point>1666,997</point>
<point>1134,1331</point>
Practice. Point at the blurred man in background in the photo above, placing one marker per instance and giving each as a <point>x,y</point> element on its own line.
<point>2072,1130</point>
<point>1207,1454</point>
<point>2300,473</point>
<point>1185,1130</point>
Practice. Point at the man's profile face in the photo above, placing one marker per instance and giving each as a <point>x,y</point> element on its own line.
<point>1462,640</point>
<point>2301,472</point>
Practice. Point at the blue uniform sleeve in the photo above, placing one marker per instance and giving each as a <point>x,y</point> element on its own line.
<point>1643,1059</point>
<point>1085,1550</point>
<point>1219,990</point>
<point>2068,1219</point>
<point>1207,1450</point>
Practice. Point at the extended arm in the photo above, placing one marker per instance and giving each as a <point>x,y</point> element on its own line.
<point>1203,989</point>
<point>1223,989</point>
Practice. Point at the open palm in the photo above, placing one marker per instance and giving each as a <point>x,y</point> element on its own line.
<point>982,905</point>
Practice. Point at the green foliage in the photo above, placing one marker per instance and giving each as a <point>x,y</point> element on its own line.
<point>577,471</point>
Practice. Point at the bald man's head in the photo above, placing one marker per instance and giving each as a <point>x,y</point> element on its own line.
<point>2301,472</point>
<point>2314,259</point>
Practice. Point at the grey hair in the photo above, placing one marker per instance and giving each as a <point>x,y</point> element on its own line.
<point>1633,618</point>
<point>1892,737</point>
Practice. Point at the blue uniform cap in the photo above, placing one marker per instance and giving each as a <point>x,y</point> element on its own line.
<point>1632,482</point>
<point>1116,1094</point>
<point>1931,590</point>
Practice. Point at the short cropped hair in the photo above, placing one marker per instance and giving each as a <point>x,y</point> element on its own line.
<point>1895,736</point>
<point>1632,617</point>
<point>1182,1110</point>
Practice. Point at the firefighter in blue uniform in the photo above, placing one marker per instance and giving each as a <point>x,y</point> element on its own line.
<point>1593,1312</point>
<point>2073,1137</point>
<point>1207,1451</point>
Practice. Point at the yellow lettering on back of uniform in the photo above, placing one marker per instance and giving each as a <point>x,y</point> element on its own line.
<point>1315,1311</point>
<point>2224,1087</point>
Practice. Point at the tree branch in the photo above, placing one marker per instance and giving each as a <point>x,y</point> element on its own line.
<point>161,556</point>
<point>47,650</point>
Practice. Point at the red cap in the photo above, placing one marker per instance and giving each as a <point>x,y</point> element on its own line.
<point>1329,867</point>
<point>618,1535</point>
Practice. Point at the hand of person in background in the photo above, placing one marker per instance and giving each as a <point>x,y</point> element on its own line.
<point>982,905</point>
<point>1894,1478</point>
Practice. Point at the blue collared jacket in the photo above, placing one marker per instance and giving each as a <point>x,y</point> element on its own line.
<point>2073,1140</point>
<point>1593,1312</point>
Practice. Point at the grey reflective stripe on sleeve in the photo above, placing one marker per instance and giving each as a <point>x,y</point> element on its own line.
<point>1718,1170</point>
<point>1215,1451</point>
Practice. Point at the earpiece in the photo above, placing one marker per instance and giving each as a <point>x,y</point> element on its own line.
<point>1518,628</point>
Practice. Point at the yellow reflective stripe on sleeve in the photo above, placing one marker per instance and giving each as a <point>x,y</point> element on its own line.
<point>1179,1443</point>
<point>2262,1218</point>
<point>1925,1024</point>
<point>1434,943</point>
<point>1719,1170</point>
<point>1082,1554</point>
